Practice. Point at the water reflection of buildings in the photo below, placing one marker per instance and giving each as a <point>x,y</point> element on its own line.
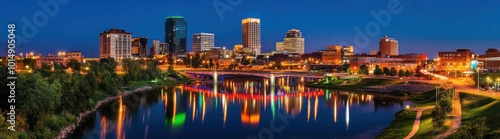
<point>175,108</point>
<point>250,112</point>
<point>256,97</point>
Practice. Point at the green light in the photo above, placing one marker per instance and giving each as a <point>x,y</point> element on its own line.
<point>176,122</point>
<point>175,17</point>
<point>179,120</point>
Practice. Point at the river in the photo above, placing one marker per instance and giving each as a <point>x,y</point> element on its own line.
<point>243,107</point>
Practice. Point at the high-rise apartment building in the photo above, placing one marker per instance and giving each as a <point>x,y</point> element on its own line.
<point>139,45</point>
<point>176,34</point>
<point>203,41</point>
<point>115,43</point>
<point>294,42</point>
<point>251,34</point>
<point>388,47</point>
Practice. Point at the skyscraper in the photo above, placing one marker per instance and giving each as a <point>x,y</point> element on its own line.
<point>250,30</point>
<point>203,41</point>
<point>294,43</point>
<point>176,34</point>
<point>115,43</point>
<point>388,46</point>
<point>139,46</point>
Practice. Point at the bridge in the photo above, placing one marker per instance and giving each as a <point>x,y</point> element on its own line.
<point>266,74</point>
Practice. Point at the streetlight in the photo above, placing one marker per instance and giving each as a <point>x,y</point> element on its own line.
<point>488,82</point>
<point>498,80</point>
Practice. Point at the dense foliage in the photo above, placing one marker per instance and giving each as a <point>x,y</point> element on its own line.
<point>47,100</point>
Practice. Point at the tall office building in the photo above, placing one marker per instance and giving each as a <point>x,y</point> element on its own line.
<point>203,41</point>
<point>115,43</point>
<point>250,30</point>
<point>388,47</point>
<point>139,46</point>
<point>280,46</point>
<point>294,42</point>
<point>176,34</point>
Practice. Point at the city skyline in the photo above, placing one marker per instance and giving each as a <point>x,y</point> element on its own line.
<point>461,29</point>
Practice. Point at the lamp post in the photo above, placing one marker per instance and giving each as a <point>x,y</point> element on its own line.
<point>488,82</point>
<point>496,88</point>
<point>191,62</point>
<point>477,70</point>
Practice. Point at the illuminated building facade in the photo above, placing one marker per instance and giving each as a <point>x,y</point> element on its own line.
<point>457,61</point>
<point>176,34</point>
<point>115,43</point>
<point>139,45</point>
<point>294,42</point>
<point>251,34</point>
<point>337,55</point>
<point>388,47</point>
<point>203,41</point>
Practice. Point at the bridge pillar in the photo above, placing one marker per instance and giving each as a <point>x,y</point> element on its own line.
<point>272,80</point>
<point>215,77</point>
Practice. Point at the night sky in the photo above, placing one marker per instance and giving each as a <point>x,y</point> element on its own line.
<point>423,26</point>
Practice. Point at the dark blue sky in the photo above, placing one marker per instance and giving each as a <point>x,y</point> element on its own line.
<point>423,26</point>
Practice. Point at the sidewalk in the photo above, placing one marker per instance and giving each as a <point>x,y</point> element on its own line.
<point>416,124</point>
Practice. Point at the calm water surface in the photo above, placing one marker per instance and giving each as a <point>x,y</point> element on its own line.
<point>243,107</point>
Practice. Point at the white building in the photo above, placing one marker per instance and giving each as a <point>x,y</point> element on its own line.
<point>294,42</point>
<point>280,46</point>
<point>203,41</point>
<point>251,34</point>
<point>115,43</point>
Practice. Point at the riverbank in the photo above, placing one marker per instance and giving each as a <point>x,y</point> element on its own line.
<point>70,129</point>
<point>478,106</point>
<point>393,87</point>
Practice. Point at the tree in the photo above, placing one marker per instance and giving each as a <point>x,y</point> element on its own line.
<point>407,73</point>
<point>210,63</point>
<point>74,64</point>
<point>31,63</point>
<point>393,71</point>
<point>378,71</point>
<point>401,73</point>
<point>417,71</point>
<point>197,60</point>
<point>349,71</point>
<point>39,98</point>
<point>446,102</point>
<point>475,129</point>
<point>387,71</point>
<point>45,66</point>
<point>170,65</point>
<point>344,67</point>
<point>132,70</point>
<point>363,69</point>
<point>278,65</point>
<point>438,116</point>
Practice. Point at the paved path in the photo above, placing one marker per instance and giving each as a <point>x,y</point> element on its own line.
<point>457,108</point>
<point>416,124</point>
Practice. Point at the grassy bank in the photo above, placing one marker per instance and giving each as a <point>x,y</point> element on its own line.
<point>427,130</point>
<point>400,126</point>
<point>352,84</point>
<point>475,106</point>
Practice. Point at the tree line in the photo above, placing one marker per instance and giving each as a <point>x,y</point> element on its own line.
<point>50,98</point>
